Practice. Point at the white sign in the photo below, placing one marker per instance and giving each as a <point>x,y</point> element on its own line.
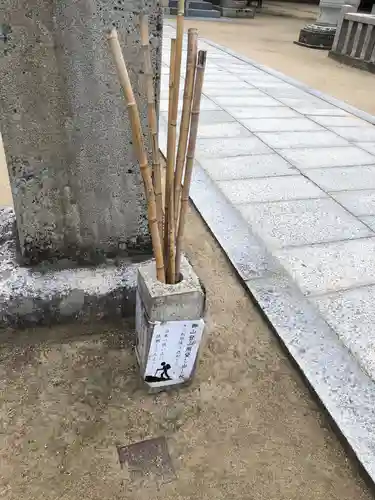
<point>173,350</point>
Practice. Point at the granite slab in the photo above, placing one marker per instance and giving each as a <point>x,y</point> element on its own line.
<point>352,315</point>
<point>359,203</point>
<point>245,167</point>
<point>245,112</point>
<point>301,139</point>
<point>343,179</point>
<point>232,146</point>
<point>356,134</point>
<point>292,187</point>
<point>368,146</point>
<point>369,220</point>
<point>329,267</point>
<point>303,222</point>
<point>280,125</point>
<point>222,130</point>
<point>338,156</point>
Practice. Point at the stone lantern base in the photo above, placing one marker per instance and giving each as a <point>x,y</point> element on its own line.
<point>320,35</point>
<point>317,36</point>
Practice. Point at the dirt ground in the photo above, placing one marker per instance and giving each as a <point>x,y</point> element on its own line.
<point>5,192</point>
<point>247,428</point>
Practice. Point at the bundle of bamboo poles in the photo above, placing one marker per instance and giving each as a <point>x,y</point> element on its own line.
<point>166,215</point>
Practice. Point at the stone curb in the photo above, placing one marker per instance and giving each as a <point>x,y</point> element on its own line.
<point>42,296</point>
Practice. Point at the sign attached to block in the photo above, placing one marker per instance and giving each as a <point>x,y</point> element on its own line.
<point>173,351</point>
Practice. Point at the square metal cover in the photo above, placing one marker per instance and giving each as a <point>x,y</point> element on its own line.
<point>149,458</point>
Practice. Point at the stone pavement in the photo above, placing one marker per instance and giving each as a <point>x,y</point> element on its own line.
<point>285,180</point>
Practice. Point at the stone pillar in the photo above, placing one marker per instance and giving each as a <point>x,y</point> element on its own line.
<point>75,181</point>
<point>320,35</point>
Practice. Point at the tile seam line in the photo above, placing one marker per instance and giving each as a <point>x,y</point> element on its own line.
<point>333,167</point>
<point>294,174</point>
<point>251,178</point>
<point>341,290</point>
<point>317,93</point>
<point>366,215</point>
<point>277,200</point>
<point>322,243</point>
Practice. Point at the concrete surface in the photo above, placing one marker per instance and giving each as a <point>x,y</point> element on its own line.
<point>77,190</point>
<point>247,428</point>
<point>296,266</point>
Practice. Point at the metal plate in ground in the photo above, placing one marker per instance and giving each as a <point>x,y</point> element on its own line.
<point>148,459</point>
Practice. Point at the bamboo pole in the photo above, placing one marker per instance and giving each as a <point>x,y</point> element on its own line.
<point>170,231</point>
<point>171,147</point>
<point>171,78</point>
<point>179,43</point>
<point>140,150</point>
<point>191,63</point>
<point>152,121</point>
<point>201,66</point>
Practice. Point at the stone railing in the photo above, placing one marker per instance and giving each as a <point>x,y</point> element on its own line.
<point>354,42</point>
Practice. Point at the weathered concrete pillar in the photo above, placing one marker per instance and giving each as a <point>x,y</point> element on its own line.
<point>76,185</point>
<point>320,35</point>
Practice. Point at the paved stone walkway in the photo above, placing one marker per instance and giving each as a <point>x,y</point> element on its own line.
<point>299,168</point>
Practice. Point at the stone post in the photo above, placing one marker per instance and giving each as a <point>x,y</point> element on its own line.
<point>320,35</point>
<point>345,10</point>
<point>76,185</point>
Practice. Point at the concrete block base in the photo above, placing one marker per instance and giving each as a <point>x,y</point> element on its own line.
<point>55,293</point>
<point>169,327</point>
<point>248,12</point>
